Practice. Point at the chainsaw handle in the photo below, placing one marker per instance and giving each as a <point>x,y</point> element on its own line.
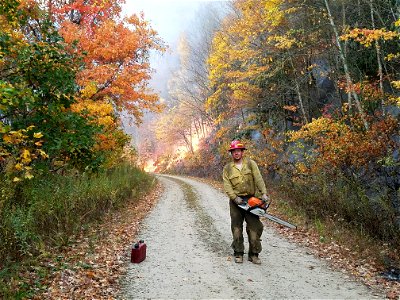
<point>267,204</point>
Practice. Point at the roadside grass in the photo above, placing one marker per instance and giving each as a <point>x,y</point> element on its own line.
<point>337,197</point>
<point>341,218</point>
<point>44,215</point>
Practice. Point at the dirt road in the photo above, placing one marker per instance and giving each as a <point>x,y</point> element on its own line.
<point>189,256</point>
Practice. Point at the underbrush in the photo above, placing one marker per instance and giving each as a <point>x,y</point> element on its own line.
<point>46,212</point>
<point>340,209</point>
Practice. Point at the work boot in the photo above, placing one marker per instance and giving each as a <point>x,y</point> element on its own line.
<point>255,259</point>
<point>239,259</point>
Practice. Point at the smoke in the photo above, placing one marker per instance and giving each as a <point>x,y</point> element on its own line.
<point>172,20</point>
<point>256,135</point>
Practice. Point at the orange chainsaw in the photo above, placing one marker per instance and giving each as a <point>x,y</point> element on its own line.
<point>259,208</point>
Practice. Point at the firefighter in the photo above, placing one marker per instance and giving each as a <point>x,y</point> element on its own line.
<point>242,180</point>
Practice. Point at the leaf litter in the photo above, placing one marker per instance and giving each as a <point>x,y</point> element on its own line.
<point>92,266</point>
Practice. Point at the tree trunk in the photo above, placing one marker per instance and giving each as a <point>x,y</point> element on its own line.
<point>345,51</point>
<point>299,95</point>
<point>378,57</point>
<point>349,82</point>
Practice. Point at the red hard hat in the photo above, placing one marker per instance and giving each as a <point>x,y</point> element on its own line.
<point>236,145</point>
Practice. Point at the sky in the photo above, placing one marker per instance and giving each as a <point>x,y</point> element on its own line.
<point>170,18</point>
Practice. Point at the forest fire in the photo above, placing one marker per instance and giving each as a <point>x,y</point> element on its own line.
<point>180,152</point>
<point>149,166</point>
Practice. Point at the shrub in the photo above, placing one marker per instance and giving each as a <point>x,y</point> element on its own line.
<point>48,210</point>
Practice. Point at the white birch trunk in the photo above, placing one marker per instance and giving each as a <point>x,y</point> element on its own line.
<point>349,82</point>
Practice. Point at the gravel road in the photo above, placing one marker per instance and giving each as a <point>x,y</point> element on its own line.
<point>189,256</point>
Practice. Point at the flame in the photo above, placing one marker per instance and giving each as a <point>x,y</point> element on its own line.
<point>180,152</point>
<point>195,142</point>
<point>149,167</point>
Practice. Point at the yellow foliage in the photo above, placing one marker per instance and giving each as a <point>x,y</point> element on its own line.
<point>95,109</point>
<point>106,121</point>
<point>28,175</point>
<point>18,167</point>
<point>101,113</point>
<point>337,144</point>
<point>89,90</point>
<point>283,42</point>
<point>396,84</point>
<point>318,128</point>
<point>242,52</point>
<point>20,148</point>
<point>392,56</point>
<point>302,168</point>
<point>396,100</point>
<point>37,135</point>
<point>367,37</point>
<point>43,154</point>
<point>26,156</point>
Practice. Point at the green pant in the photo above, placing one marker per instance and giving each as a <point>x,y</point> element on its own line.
<point>254,229</point>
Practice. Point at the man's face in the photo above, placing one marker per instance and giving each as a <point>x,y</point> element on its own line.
<point>237,154</point>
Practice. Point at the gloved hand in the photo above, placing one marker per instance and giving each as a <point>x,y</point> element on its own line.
<point>238,200</point>
<point>265,198</point>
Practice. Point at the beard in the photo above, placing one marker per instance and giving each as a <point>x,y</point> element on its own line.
<point>237,159</point>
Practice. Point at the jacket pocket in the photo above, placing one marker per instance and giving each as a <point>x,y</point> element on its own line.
<point>248,175</point>
<point>235,180</point>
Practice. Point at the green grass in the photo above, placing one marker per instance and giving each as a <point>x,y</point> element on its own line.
<point>338,210</point>
<point>48,211</point>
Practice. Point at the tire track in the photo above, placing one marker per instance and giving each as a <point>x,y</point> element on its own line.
<point>189,256</point>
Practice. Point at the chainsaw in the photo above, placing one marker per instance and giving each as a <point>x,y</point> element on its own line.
<point>259,208</point>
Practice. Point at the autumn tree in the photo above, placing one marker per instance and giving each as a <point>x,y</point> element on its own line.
<point>37,85</point>
<point>356,144</point>
<point>264,69</point>
<point>114,79</point>
<point>116,52</point>
<point>324,73</point>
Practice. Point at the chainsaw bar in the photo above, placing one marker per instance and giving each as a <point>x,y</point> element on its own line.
<point>262,213</point>
<point>279,221</point>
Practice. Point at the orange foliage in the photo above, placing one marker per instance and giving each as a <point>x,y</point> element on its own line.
<point>338,145</point>
<point>89,12</point>
<point>369,91</point>
<point>292,108</point>
<point>116,52</point>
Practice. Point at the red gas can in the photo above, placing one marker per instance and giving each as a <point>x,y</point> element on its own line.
<point>138,253</point>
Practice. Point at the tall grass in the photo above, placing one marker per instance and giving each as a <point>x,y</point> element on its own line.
<point>339,198</point>
<point>48,210</point>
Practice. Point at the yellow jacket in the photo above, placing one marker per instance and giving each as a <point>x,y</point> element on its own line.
<point>245,182</point>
